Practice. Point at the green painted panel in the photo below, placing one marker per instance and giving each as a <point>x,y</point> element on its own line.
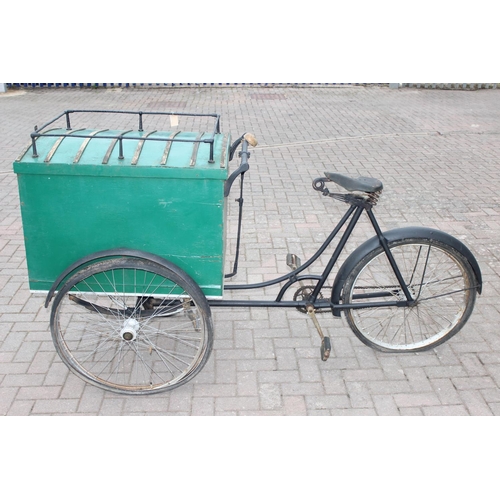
<point>176,211</point>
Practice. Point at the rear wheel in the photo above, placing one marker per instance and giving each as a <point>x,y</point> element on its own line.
<point>441,283</point>
<point>132,326</point>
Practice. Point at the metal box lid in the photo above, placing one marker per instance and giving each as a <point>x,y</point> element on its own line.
<point>126,152</point>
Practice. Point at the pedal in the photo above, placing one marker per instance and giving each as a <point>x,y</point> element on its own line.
<point>326,348</point>
<point>293,262</point>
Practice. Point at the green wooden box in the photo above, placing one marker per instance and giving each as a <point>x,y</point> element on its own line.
<point>164,196</point>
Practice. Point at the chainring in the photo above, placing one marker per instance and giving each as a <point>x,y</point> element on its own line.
<point>303,293</point>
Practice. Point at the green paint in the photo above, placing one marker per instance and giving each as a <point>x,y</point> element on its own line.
<point>175,211</point>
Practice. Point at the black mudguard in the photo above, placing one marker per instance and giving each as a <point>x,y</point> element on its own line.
<point>394,235</point>
<point>105,254</point>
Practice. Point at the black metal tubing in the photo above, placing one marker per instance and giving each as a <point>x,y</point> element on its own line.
<point>118,136</point>
<point>120,144</point>
<point>139,113</point>
<point>357,207</point>
<point>286,286</point>
<point>293,277</point>
<point>208,140</point>
<point>293,274</point>
<point>392,262</point>
<point>336,253</point>
<point>319,304</point>
<point>238,236</point>
<point>257,303</point>
<point>244,155</point>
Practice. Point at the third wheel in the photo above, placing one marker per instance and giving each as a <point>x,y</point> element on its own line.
<point>132,326</point>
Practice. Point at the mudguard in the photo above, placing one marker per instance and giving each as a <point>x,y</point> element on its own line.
<point>394,235</point>
<point>105,254</point>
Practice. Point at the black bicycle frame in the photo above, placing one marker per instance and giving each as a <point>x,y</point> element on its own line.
<point>352,215</point>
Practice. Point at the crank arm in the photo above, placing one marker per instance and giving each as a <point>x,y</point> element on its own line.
<point>326,345</point>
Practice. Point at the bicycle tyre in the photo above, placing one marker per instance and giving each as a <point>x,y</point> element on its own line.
<point>131,326</point>
<point>441,282</point>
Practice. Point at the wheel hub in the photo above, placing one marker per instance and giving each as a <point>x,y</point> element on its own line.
<point>129,329</point>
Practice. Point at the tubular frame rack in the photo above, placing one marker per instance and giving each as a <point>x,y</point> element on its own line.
<point>121,137</point>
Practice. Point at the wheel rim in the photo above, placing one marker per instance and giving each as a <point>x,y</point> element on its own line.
<point>131,327</point>
<point>439,282</point>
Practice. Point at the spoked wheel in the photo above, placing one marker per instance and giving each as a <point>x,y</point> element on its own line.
<point>132,326</point>
<point>440,280</point>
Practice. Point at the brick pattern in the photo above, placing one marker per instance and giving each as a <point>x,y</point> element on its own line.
<point>437,154</point>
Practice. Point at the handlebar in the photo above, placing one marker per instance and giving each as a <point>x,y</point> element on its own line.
<point>247,139</point>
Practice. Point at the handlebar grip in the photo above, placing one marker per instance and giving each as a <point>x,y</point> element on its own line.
<point>251,139</point>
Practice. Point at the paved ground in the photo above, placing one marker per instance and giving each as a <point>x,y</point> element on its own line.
<point>437,153</point>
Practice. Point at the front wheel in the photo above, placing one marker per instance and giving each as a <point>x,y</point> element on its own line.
<point>132,326</point>
<point>441,283</point>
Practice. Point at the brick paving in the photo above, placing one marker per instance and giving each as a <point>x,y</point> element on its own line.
<point>437,153</point>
